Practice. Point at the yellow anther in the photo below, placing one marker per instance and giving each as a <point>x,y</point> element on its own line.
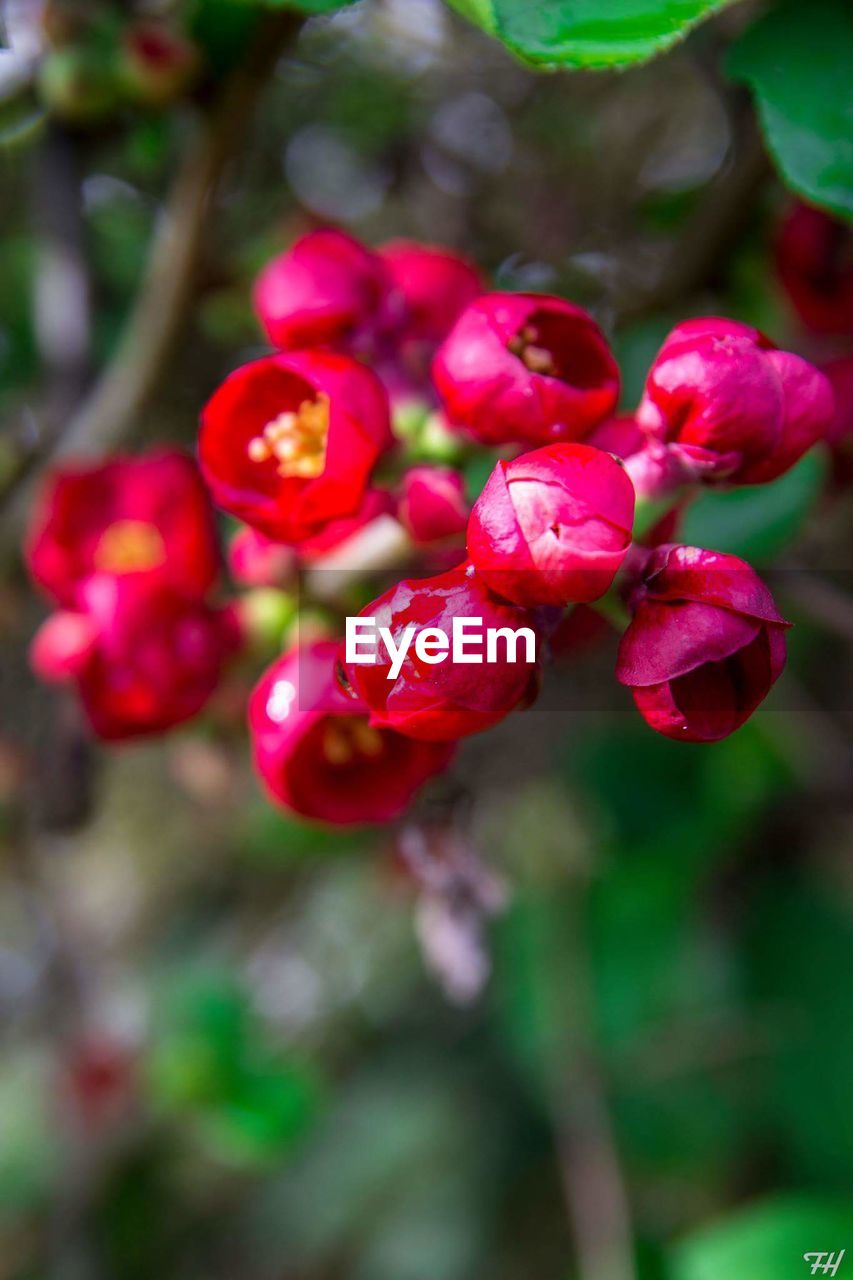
<point>348,738</point>
<point>367,739</point>
<point>336,745</point>
<point>297,441</point>
<point>128,546</point>
<point>537,359</point>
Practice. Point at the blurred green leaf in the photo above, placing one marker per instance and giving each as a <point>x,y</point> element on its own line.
<point>211,1065</point>
<point>587,33</point>
<point>21,118</point>
<point>765,1242</point>
<point>308,6</point>
<point>799,944</point>
<point>757,521</point>
<point>393,1180</point>
<point>797,60</point>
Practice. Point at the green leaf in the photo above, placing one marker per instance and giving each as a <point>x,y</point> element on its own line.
<point>21,119</point>
<point>588,33</point>
<point>311,6</point>
<point>757,521</point>
<point>480,12</point>
<point>764,1243</point>
<point>797,60</point>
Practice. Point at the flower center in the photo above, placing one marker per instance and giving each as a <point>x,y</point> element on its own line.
<point>536,358</point>
<point>130,546</point>
<point>295,440</point>
<point>348,738</point>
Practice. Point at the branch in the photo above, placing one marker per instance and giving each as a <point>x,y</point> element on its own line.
<point>149,338</point>
<point>720,218</point>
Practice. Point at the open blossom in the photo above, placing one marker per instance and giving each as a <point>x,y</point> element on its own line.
<point>328,289</point>
<point>552,526</point>
<point>432,503</point>
<point>814,258</point>
<point>143,517</point>
<point>318,754</point>
<point>705,644</point>
<point>143,658</point>
<point>450,699</point>
<point>526,368</point>
<point>288,442</point>
<point>730,405</point>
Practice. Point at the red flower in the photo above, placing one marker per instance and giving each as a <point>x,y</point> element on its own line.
<point>442,700</point>
<point>318,754</point>
<point>732,406</point>
<point>147,517</point>
<point>705,644</point>
<point>432,503</point>
<point>435,287</point>
<point>143,657</point>
<point>327,289</point>
<point>526,367</point>
<point>814,258</point>
<point>553,526</point>
<point>288,442</point>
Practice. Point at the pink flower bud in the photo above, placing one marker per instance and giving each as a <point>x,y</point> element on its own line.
<point>814,258</point>
<point>327,289</point>
<point>705,644</point>
<point>256,561</point>
<point>529,368</point>
<point>731,406</point>
<point>63,645</point>
<point>432,503</point>
<point>434,284</point>
<point>553,526</point>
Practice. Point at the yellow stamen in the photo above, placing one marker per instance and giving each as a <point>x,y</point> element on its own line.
<point>259,450</point>
<point>296,441</point>
<point>348,738</point>
<point>367,739</point>
<point>336,746</point>
<point>129,546</point>
<point>524,345</point>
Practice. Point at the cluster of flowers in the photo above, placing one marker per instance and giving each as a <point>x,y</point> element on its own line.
<point>293,445</point>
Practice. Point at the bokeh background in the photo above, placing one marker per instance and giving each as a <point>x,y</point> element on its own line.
<point>605,1031</point>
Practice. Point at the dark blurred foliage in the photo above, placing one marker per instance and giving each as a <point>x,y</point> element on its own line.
<point>227,1050</point>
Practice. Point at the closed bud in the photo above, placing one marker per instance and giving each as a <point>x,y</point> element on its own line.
<point>432,503</point>
<point>730,406</point>
<point>553,526</point>
<point>705,644</point>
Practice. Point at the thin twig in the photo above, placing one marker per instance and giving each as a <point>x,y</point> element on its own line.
<point>709,235</point>
<point>150,336</point>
